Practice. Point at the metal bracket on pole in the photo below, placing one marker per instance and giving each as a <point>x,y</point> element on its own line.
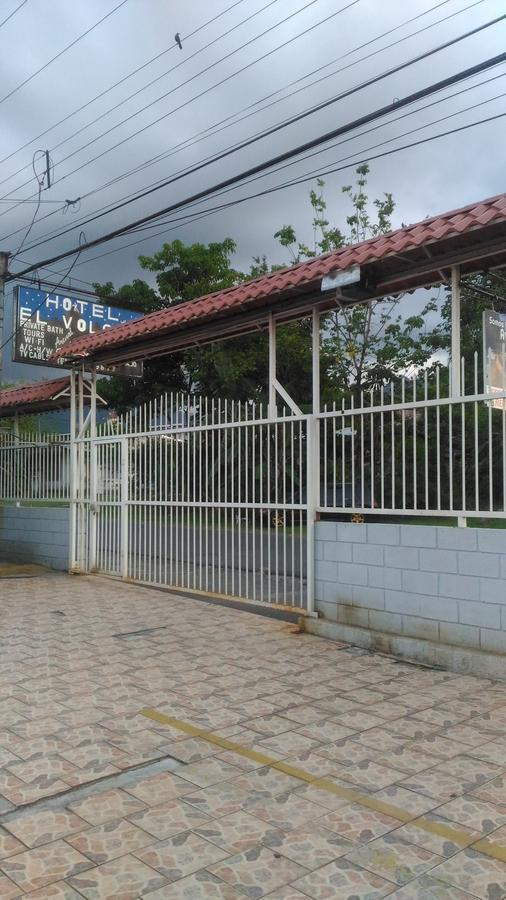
<point>275,387</point>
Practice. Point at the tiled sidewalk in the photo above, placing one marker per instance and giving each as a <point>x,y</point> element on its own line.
<point>394,758</point>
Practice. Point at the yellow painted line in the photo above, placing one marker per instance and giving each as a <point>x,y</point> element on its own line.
<point>453,834</point>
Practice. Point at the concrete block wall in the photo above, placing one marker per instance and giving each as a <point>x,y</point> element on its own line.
<point>436,584</point>
<point>31,534</point>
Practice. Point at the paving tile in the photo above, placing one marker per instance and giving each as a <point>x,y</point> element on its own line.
<point>190,750</point>
<point>493,751</point>
<point>342,879</point>
<point>493,791</point>
<point>8,889</point>
<point>209,771</point>
<point>369,775</point>
<point>285,810</point>
<point>126,878</point>
<point>313,763</point>
<point>219,799</point>
<point>156,788</point>
<point>357,823</point>
<point>394,859</point>
<point>287,744</point>
<point>407,801</point>
<point>345,752</point>
<point>106,806</point>
<point>325,731</point>
<point>237,832</point>
<point>443,845</point>
<point>326,799</point>
<point>169,818</point>
<point>44,826</point>
<point>428,888</point>
<point>181,855</point>
<point>435,784</point>
<point>475,813</point>
<point>266,782</point>
<point>470,771</point>
<point>311,846</point>
<point>482,876</point>
<point>409,760</point>
<point>33,869</point>
<point>9,845</point>
<point>201,886</point>
<point>59,890</point>
<point>106,842</point>
<point>257,871</point>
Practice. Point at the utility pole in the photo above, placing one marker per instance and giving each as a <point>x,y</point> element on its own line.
<point>4,263</point>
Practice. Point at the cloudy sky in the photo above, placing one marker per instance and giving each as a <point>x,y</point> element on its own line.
<point>255,65</point>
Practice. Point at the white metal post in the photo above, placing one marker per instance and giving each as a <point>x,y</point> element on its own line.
<point>272,367</point>
<point>313,460</point>
<point>73,472</point>
<point>124,524</point>
<point>93,471</point>
<point>456,386</point>
<point>316,361</point>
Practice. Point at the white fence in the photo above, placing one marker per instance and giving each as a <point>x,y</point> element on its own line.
<point>34,467</point>
<point>219,497</point>
<point>197,494</point>
<point>411,448</point>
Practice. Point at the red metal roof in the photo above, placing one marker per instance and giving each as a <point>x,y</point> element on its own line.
<point>300,278</point>
<point>40,392</point>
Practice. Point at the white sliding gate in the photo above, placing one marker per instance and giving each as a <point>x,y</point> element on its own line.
<point>204,496</point>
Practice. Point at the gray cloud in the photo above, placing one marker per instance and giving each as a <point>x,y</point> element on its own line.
<point>425,180</point>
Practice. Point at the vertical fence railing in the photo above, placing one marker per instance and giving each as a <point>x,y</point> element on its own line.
<point>410,448</point>
<point>217,503</point>
<point>34,468</point>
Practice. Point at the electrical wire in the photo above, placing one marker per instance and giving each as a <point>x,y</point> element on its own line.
<point>121,81</point>
<point>18,328</point>
<point>40,184</point>
<point>196,217</point>
<point>61,52</point>
<point>300,116</point>
<point>296,151</point>
<point>163,75</point>
<point>214,129</point>
<point>13,13</point>
<point>322,170</point>
<point>183,84</point>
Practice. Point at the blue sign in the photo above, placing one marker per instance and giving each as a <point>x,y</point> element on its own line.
<point>45,322</point>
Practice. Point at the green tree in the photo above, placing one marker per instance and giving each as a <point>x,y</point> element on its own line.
<point>363,345</point>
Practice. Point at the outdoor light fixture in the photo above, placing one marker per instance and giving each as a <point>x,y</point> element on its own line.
<point>340,278</point>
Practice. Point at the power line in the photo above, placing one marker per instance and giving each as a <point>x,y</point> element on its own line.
<point>214,129</point>
<point>121,102</point>
<point>300,116</point>
<point>298,181</point>
<point>117,83</point>
<point>297,151</point>
<point>196,217</point>
<point>13,13</point>
<point>41,304</point>
<point>184,83</point>
<point>318,171</point>
<point>61,52</point>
